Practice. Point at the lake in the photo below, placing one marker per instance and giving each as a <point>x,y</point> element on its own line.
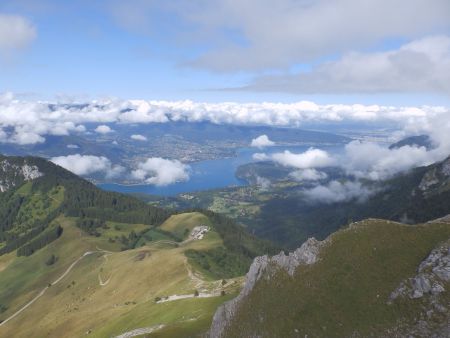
<point>212,174</point>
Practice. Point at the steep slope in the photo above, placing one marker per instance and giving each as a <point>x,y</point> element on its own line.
<point>376,278</point>
<point>412,197</point>
<point>37,191</point>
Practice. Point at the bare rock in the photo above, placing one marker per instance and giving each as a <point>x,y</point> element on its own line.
<point>432,273</point>
<point>264,266</point>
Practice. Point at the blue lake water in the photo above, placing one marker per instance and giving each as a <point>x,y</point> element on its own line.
<point>211,174</point>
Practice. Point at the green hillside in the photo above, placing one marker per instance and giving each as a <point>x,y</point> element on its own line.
<point>346,293</point>
<point>75,259</point>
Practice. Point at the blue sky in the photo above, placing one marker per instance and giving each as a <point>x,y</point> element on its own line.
<point>226,50</point>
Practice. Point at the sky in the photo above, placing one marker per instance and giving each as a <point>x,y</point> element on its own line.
<point>383,52</point>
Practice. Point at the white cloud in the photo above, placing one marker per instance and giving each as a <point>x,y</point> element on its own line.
<point>419,66</point>
<point>103,129</point>
<point>336,191</point>
<point>161,172</point>
<point>263,183</point>
<point>308,175</point>
<point>72,146</point>
<point>87,164</point>
<point>373,161</point>
<point>312,158</point>
<point>23,136</point>
<point>16,32</point>
<point>262,141</point>
<point>138,137</point>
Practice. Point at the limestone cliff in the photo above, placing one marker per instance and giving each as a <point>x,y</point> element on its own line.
<point>307,254</point>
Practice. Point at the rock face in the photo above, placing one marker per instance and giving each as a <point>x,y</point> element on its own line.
<point>428,286</point>
<point>431,276</point>
<point>307,254</point>
<point>12,174</point>
<point>438,176</point>
<point>428,180</point>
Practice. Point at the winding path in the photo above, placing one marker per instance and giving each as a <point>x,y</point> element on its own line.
<point>40,294</point>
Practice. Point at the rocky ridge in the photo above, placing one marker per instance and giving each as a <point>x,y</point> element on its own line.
<point>264,266</point>
<point>12,174</point>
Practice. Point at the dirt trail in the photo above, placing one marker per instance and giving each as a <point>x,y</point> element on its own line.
<point>140,331</point>
<point>40,294</point>
<point>100,280</point>
<point>178,297</point>
<point>197,281</point>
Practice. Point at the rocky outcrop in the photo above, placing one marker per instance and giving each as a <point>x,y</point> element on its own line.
<point>428,180</point>
<point>428,286</point>
<point>433,273</point>
<point>12,174</point>
<point>307,254</point>
<point>438,176</point>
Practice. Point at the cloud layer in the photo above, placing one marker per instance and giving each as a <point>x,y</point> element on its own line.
<point>27,122</point>
<point>419,66</point>
<point>304,30</point>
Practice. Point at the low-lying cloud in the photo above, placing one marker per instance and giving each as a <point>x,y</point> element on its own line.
<point>261,142</point>
<point>103,129</point>
<point>161,172</point>
<point>336,191</point>
<point>308,175</point>
<point>312,158</point>
<point>138,137</point>
<point>85,165</point>
<point>375,162</point>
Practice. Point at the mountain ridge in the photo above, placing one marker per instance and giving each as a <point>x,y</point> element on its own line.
<point>280,302</point>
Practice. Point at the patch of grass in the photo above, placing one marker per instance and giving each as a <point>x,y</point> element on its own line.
<point>181,225</point>
<point>219,263</point>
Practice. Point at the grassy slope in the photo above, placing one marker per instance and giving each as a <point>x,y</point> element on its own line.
<point>79,304</point>
<point>347,290</point>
